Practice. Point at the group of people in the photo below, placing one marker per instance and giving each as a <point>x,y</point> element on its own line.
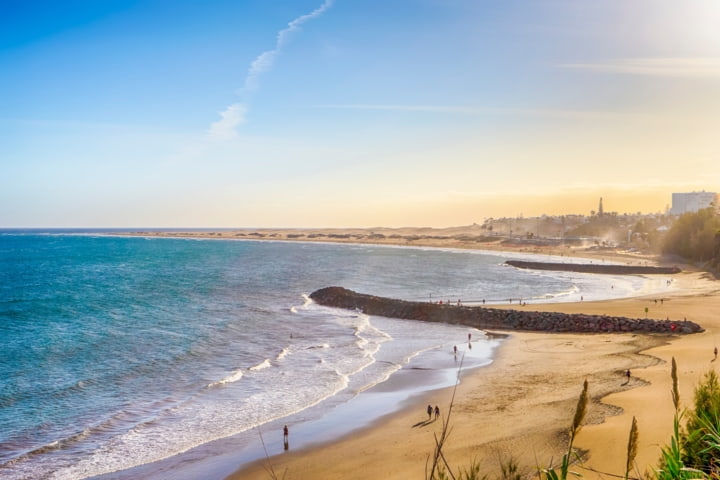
<point>430,409</point>
<point>447,302</point>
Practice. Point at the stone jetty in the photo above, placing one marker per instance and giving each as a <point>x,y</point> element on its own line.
<point>485,318</point>
<point>595,268</point>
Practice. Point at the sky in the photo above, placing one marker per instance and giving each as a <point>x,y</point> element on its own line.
<point>352,113</point>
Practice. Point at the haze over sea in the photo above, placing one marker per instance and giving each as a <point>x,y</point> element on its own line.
<point>122,351</point>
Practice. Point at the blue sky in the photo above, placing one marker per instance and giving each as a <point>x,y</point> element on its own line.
<point>265,113</point>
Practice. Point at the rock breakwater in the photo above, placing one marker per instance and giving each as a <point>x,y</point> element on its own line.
<point>595,268</point>
<point>485,318</point>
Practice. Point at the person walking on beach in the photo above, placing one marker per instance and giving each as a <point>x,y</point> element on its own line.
<point>715,352</point>
<point>437,412</point>
<point>627,374</point>
<point>429,410</point>
<point>286,441</point>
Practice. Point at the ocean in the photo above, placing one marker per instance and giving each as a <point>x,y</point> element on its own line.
<point>119,353</point>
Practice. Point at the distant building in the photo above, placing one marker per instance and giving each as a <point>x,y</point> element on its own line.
<point>692,201</point>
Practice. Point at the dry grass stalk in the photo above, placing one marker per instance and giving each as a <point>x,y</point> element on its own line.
<point>580,412</point>
<point>632,447</point>
<point>675,390</point>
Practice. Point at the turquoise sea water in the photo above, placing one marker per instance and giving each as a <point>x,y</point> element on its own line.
<point>121,351</point>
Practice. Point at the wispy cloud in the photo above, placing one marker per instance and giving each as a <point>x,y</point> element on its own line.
<point>231,118</point>
<point>697,67</point>
<point>235,114</point>
<point>265,60</point>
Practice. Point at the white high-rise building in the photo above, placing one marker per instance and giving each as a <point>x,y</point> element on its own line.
<point>692,201</point>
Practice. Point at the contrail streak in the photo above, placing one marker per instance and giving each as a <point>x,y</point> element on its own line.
<point>265,60</point>
<point>234,115</point>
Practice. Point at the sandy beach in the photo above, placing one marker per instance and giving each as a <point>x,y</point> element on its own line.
<point>522,405</point>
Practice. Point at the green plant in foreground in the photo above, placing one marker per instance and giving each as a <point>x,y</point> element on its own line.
<point>701,440</point>
<point>703,420</point>
<point>712,440</point>
<point>671,462</point>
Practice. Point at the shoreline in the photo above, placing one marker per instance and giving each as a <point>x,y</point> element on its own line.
<point>523,402</point>
<point>319,423</point>
<point>490,416</point>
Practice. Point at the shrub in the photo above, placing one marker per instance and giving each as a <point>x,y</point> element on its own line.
<point>704,419</point>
